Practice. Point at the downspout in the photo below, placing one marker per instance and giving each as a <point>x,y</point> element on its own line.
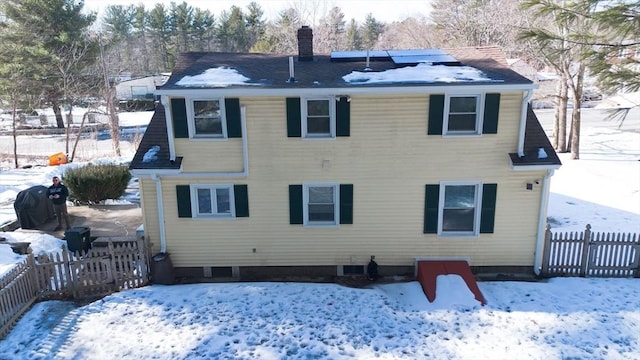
<point>168,115</point>
<point>245,145</point>
<point>542,221</point>
<point>163,236</point>
<point>523,121</point>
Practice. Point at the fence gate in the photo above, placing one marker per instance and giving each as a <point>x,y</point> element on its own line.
<point>613,255</point>
<point>591,254</point>
<point>92,276</point>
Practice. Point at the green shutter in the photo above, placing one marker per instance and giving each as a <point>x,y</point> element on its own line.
<point>295,204</point>
<point>184,201</point>
<point>294,118</point>
<point>179,116</point>
<point>431,203</point>
<point>241,196</point>
<point>343,116</point>
<point>491,111</point>
<point>488,212</point>
<point>346,203</point>
<point>436,115</point>
<point>232,112</point>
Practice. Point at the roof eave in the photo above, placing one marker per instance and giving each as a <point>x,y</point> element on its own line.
<point>148,173</point>
<point>346,90</point>
<point>533,167</point>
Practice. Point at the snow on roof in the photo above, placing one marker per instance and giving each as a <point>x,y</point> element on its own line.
<point>419,73</point>
<point>220,77</point>
<point>151,155</point>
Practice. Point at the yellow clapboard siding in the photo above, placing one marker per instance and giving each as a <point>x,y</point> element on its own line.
<point>210,155</point>
<point>388,157</point>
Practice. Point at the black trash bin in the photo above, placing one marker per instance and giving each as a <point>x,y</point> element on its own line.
<point>162,269</point>
<point>78,238</point>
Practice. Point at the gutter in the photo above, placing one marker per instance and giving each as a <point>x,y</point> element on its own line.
<point>523,121</point>
<point>158,178</point>
<point>377,89</point>
<point>542,221</point>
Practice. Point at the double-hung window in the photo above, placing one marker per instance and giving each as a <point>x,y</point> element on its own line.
<point>208,119</point>
<point>318,117</point>
<point>462,115</point>
<point>321,204</point>
<point>459,204</point>
<point>213,200</point>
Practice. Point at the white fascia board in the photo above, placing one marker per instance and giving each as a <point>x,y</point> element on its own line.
<point>534,167</point>
<point>148,173</point>
<point>177,174</point>
<point>351,90</point>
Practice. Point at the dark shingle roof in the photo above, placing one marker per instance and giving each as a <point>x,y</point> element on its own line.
<point>534,139</point>
<point>272,71</point>
<point>155,135</point>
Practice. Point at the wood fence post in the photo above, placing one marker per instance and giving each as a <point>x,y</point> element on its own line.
<point>585,250</point>
<point>143,260</point>
<point>547,249</point>
<point>115,275</point>
<point>33,274</point>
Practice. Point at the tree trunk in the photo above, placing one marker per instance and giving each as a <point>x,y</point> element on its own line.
<point>14,133</point>
<point>68,132</point>
<point>561,115</point>
<point>111,109</point>
<point>58,113</point>
<point>114,124</point>
<point>576,115</point>
<point>75,143</point>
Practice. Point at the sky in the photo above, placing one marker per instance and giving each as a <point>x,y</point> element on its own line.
<point>382,10</point>
<point>559,318</point>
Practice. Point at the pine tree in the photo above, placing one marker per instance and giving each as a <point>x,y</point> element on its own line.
<point>371,32</point>
<point>49,30</point>
<point>354,40</point>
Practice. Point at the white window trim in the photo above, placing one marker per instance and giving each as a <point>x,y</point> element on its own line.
<point>332,117</point>
<point>211,187</point>
<point>336,204</point>
<point>478,209</point>
<point>191,120</point>
<point>479,115</point>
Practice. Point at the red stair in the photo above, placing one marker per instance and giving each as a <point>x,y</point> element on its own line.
<point>428,271</point>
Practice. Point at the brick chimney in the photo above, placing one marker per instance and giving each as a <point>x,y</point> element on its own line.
<point>305,44</point>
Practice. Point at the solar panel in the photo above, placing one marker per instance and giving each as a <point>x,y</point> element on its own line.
<point>359,55</point>
<point>416,52</point>
<point>444,59</point>
<point>399,57</point>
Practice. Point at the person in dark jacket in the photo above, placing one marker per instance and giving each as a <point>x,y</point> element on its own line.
<point>58,194</point>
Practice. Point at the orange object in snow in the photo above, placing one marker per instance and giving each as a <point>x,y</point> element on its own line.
<point>57,159</point>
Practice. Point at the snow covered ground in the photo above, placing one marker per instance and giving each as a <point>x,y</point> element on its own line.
<point>562,318</point>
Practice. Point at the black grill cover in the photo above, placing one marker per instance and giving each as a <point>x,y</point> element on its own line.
<point>33,207</point>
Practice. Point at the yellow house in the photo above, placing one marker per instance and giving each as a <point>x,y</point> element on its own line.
<point>267,166</point>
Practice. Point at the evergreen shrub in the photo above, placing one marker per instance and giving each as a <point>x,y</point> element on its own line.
<point>94,183</point>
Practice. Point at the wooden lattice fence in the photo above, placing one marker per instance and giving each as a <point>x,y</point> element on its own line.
<point>591,254</point>
<point>115,266</point>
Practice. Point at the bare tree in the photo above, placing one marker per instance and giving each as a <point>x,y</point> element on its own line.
<point>412,32</point>
<point>114,122</point>
<point>331,32</point>
<point>553,41</point>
